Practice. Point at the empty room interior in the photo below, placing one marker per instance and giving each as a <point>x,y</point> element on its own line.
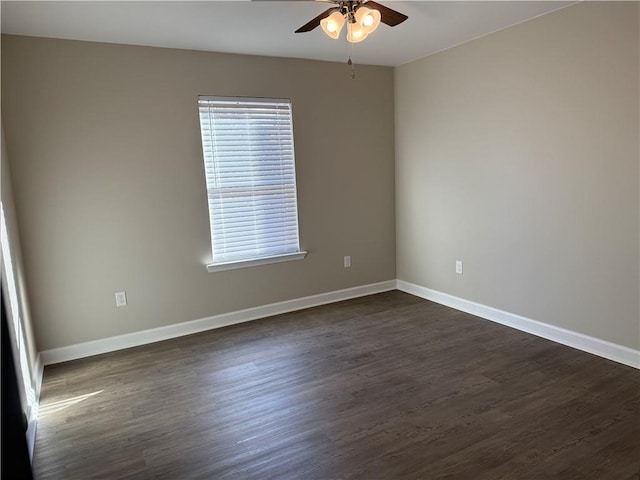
<point>401,242</point>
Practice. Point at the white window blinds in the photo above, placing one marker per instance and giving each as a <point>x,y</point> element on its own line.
<point>250,172</point>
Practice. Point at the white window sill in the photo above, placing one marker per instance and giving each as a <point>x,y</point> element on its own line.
<point>287,257</point>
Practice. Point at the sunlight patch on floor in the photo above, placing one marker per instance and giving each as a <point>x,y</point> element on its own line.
<point>56,407</point>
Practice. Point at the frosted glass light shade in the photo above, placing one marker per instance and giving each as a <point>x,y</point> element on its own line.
<point>332,25</point>
<point>368,19</point>
<point>355,33</point>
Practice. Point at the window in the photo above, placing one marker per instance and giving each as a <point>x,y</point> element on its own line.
<point>251,180</point>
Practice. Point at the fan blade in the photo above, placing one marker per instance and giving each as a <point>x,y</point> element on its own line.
<point>387,15</point>
<point>307,27</point>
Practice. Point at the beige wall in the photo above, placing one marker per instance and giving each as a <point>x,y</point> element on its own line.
<point>518,154</point>
<point>108,177</point>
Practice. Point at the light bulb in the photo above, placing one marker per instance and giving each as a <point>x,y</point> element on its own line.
<point>367,21</point>
<point>333,24</point>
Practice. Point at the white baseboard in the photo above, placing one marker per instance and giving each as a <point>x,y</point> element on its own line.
<point>32,425</point>
<point>596,346</point>
<point>110,344</point>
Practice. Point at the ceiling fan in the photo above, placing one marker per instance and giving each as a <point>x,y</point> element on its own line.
<point>361,16</point>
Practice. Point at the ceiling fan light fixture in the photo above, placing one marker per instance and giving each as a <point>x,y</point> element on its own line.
<point>332,25</point>
<point>361,16</point>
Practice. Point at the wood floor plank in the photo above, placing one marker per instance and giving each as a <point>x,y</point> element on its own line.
<point>388,386</point>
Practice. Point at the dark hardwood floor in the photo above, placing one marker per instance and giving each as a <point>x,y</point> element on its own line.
<point>388,386</point>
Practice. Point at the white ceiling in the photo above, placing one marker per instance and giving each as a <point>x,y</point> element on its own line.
<point>266,27</point>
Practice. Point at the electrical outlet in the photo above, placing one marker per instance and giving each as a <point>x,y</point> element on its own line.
<point>347,261</point>
<point>121,299</point>
<point>459,267</point>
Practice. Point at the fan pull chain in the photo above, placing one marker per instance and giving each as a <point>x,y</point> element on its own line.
<point>350,62</point>
<point>353,70</point>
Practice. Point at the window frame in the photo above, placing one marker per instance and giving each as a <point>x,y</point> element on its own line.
<point>209,163</point>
